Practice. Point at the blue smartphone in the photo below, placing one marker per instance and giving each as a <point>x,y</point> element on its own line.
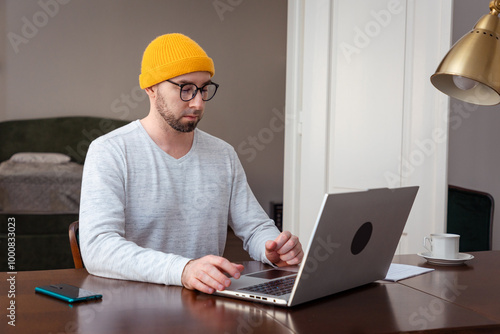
<point>68,293</point>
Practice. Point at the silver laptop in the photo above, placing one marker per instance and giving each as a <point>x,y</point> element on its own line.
<point>352,244</point>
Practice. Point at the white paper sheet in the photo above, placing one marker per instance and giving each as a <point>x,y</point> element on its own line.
<point>401,271</point>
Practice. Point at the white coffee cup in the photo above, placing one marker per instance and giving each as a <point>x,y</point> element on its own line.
<point>443,245</point>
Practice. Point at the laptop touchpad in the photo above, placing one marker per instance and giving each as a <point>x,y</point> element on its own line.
<point>271,274</point>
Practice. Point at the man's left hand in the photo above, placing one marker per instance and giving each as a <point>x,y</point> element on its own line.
<point>285,250</point>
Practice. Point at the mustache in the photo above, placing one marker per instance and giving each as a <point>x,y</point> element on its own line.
<point>192,112</point>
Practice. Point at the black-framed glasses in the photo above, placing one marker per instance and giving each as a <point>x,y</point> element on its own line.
<point>189,90</point>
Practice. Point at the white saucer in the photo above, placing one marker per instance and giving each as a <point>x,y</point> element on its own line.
<point>462,257</point>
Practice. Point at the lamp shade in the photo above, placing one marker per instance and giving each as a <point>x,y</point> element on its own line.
<point>471,70</point>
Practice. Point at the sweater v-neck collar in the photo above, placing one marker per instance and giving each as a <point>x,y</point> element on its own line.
<point>179,160</point>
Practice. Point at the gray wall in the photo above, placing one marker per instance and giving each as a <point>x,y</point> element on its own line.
<point>75,57</point>
<point>474,157</point>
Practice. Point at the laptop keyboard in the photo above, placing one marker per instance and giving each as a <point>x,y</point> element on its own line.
<point>275,288</point>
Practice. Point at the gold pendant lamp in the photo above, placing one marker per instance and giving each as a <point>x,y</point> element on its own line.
<point>471,70</point>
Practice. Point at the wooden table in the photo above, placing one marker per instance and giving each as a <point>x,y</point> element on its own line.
<point>460,299</point>
<point>474,286</point>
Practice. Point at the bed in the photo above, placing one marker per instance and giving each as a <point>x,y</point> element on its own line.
<point>44,183</point>
<point>41,164</point>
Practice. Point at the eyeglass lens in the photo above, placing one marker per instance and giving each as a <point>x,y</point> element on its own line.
<point>189,91</point>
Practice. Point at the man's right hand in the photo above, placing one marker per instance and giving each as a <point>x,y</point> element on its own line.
<point>206,274</point>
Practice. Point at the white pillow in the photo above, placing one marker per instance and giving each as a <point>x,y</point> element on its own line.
<point>52,158</point>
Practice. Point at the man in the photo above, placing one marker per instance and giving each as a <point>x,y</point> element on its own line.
<point>158,194</point>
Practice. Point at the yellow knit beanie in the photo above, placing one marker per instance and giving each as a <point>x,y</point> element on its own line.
<point>172,55</point>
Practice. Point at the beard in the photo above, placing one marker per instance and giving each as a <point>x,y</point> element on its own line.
<point>176,123</point>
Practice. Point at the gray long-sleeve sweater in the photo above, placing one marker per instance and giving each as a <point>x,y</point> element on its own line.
<point>145,214</point>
